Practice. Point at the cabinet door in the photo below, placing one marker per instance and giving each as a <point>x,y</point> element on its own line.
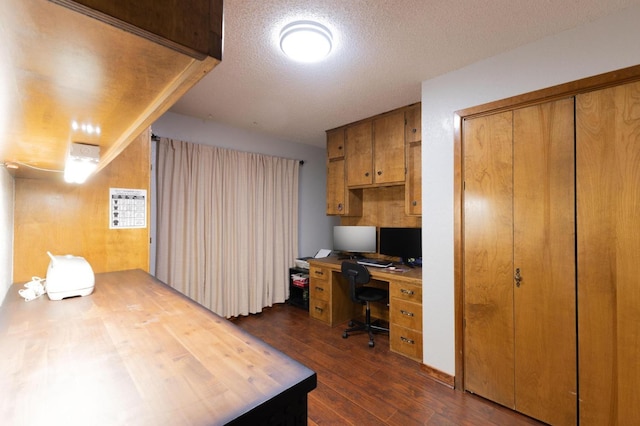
<point>608,203</point>
<point>413,124</point>
<point>359,154</point>
<point>335,187</point>
<point>388,148</point>
<point>413,183</point>
<point>335,143</point>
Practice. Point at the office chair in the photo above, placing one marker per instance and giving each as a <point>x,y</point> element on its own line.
<point>358,275</point>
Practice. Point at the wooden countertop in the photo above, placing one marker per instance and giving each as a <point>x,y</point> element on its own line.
<point>403,273</point>
<point>133,352</point>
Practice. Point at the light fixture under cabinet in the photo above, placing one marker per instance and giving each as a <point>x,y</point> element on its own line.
<point>82,160</point>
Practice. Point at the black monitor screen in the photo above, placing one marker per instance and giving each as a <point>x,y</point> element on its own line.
<point>401,242</point>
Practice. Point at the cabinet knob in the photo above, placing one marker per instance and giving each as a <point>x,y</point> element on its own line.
<point>414,203</point>
<point>340,147</point>
<point>379,172</point>
<point>339,207</point>
<point>367,174</point>
<point>414,130</point>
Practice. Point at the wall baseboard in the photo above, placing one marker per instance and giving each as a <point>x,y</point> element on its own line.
<point>438,376</point>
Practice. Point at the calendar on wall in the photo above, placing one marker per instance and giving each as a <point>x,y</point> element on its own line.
<point>127,208</point>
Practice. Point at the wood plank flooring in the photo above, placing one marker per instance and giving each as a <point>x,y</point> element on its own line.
<point>358,385</point>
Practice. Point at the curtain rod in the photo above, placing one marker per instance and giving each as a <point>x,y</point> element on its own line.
<point>155,137</point>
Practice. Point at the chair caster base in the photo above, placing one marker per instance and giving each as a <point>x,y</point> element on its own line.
<point>345,335</point>
<point>371,344</point>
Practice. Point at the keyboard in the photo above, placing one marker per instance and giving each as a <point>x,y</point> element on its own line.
<point>375,263</point>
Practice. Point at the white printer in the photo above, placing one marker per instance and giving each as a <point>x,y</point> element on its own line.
<point>69,276</point>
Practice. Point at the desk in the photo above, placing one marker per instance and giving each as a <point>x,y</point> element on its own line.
<point>330,303</point>
<point>137,352</point>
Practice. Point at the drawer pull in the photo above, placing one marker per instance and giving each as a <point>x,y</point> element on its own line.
<point>318,272</point>
<point>407,313</point>
<point>319,288</point>
<point>407,340</point>
<point>319,309</point>
<point>407,292</point>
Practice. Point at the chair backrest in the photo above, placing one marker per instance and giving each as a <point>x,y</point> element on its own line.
<point>356,274</point>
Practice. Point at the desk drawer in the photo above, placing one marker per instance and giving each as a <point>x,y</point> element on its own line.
<point>318,273</point>
<point>320,310</point>
<point>406,291</point>
<point>406,314</point>
<point>319,290</point>
<point>406,341</point>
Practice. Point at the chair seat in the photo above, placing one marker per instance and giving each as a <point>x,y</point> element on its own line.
<point>371,294</point>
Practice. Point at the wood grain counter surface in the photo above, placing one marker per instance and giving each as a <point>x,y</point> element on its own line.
<point>137,352</point>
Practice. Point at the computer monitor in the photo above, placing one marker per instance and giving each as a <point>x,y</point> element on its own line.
<point>405,243</point>
<point>352,241</point>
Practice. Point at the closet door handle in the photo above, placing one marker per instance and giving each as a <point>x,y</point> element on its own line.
<point>517,277</point>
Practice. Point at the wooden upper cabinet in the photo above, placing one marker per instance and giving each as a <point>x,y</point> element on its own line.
<point>117,65</point>
<point>413,124</point>
<point>379,151</point>
<point>341,201</point>
<point>388,148</point>
<point>359,147</point>
<point>413,147</point>
<point>335,143</point>
<point>335,187</point>
<point>193,27</point>
<point>413,184</point>
<point>375,151</point>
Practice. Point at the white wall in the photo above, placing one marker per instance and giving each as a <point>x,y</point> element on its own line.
<point>315,228</point>
<point>6,231</point>
<point>600,46</point>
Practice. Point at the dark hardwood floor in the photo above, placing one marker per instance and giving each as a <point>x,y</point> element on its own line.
<point>359,385</point>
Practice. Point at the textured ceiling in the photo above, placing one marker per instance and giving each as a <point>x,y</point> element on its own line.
<point>383,50</point>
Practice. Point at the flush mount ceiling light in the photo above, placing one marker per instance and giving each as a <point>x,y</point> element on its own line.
<point>305,41</point>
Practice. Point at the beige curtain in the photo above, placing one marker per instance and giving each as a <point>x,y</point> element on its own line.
<point>227,225</point>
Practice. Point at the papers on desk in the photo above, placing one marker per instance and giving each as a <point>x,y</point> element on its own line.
<point>322,253</point>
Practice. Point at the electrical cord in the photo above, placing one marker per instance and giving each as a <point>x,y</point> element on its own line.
<point>33,289</point>
<point>9,164</point>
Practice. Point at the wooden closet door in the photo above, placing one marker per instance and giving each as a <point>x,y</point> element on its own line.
<point>608,202</point>
<point>488,258</point>
<point>519,220</point>
<point>544,256</point>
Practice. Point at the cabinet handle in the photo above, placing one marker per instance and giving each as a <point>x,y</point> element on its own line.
<point>319,309</point>
<point>340,147</point>
<point>414,130</point>
<point>407,292</point>
<point>339,207</point>
<point>367,174</point>
<point>318,272</point>
<point>407,340</point>
<point>379,172</point>
<point>415,203</point>
<point>407,313</point>
<point>319,289</point>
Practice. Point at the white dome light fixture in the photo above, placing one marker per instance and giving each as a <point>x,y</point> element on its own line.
<point>306,41</point>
